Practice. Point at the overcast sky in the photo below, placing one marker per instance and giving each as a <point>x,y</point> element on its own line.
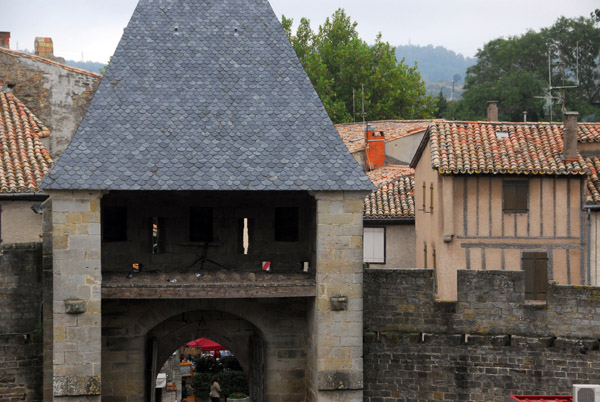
<point>91,29</point>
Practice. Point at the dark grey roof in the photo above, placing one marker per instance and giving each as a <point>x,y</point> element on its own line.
<point>206,95</point>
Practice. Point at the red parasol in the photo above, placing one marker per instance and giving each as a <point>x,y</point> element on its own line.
<point>205,344</point>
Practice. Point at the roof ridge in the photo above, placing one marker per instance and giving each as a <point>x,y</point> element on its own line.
<point>48,61</point>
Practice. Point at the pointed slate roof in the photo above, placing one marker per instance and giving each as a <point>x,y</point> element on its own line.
<point>206,95</point>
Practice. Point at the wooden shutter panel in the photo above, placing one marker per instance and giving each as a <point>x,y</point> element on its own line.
<point>528,265</point>
<point>535,266</point>
<point>541,276</point>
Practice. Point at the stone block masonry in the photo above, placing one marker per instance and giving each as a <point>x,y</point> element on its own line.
<point>488,344</point>
<point>57,94</point>
<point>20,322</point>
<point>76,290</point>
<point>336,317</point>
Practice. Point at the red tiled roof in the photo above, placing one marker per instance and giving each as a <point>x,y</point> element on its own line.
<point>353,134</point>
<point>500,148</point>
<point>394,197</point>
<point>23,158</point>
<point>48,61</point>
<point>588,132</point>
<point>593,182</point>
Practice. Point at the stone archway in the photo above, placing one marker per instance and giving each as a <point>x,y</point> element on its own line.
<point>277,326</point>
<point>233,332</point>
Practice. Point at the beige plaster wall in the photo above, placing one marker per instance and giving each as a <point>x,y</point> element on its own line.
<point>594,246</point>
<point>492,239</point>
<point>400,245</point>
<point>404,148</point>
<point>471,231</point>
<point>18,223</point>
<point>430,248</point>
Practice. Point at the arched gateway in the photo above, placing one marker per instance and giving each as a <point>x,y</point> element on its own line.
<point>270,342</point>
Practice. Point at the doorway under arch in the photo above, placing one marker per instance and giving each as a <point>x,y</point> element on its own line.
<point>268,336</point>
<point>236,334</point>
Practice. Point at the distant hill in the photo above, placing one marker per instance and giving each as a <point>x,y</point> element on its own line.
<point>92,66</point>
<point>436,64</point>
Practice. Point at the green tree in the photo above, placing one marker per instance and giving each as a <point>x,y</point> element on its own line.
<point>339,64</point>
<point>442,105</point>
<point>514,71</point>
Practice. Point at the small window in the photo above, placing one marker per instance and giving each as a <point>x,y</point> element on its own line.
<point>515,195</point>
<point>114,224</point>
<point>535,266</point>
<point>374,245</point>
<point>201,224</point>
<point>286,224</point>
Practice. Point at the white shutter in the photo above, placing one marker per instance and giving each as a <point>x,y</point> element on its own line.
<point>374,245</point>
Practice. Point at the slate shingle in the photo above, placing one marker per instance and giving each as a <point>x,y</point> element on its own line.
<point>206,95</point>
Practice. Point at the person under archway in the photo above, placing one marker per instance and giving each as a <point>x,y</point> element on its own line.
<point>215,390</point>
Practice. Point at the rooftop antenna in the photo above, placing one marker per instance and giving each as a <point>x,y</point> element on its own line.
<point>561,98</point>
<point>353,105</point>
<point>363,103</point>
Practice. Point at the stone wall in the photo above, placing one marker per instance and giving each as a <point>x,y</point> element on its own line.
<point>76,282</point>
<point>335,354</point>
<point>19,224</point>
<point>20,322</point>
<point>57,94</point>
<point>488,344</point>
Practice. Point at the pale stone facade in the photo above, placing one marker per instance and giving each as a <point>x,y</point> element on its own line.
<point>335,350</point>
<point>76,305</point>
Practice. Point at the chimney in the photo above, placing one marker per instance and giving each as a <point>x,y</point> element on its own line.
<point>44,47</point>
<point>5,40</point>
<point>570,136</point>
<point>375,148</point>
<point>492,111</point>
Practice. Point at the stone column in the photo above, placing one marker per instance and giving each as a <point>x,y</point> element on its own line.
<point>77,280</point>
<point>335,360</point>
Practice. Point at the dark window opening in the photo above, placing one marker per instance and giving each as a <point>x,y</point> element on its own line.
<point>114,223</point>
<point>201,224</point>
<point>515,196</point>
<point>156,235</point>
<point>286,224</point>
<point>535,266</point>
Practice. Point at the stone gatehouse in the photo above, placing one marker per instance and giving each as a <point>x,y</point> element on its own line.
<point>206,192</point>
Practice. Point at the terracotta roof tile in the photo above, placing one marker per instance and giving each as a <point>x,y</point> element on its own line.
<point>394,197</point>
<point>23,158</point>
<point>588,132</point>
<point>48,61</point>
<point>501,148</point>
<point>593,182</point>
<point>353,133</point>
